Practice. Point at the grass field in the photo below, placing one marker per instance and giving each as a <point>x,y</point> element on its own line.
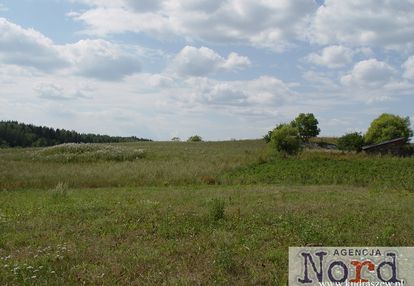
<point>219,213</point>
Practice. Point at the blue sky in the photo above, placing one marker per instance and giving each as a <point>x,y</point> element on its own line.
<point>218,68</point>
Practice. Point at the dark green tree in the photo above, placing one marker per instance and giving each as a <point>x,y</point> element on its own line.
<point>195,138</point>
<point>307,125</point>
<point>387,127</point>
<point>351,142</point>
<point>14,134</point>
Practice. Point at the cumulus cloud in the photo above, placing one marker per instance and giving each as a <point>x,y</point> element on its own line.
<point>381,23</point>
<point>408,67</point>
<point>191,61</point>
<point>263,92</point>
<point>264,23</point>
<point>27,47</point>
<point>332,57</point>
<point>101,59</point>
<point>98,59</point>
<point>369,73</point>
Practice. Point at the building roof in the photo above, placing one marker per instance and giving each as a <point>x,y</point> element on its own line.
<point>398,140</point>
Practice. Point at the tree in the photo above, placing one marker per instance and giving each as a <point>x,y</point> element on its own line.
<point>195,138</point>
<point>307,125</point>
<point>387,127</point>
<point>286,139</point>
<point>175,139</point>
<point>351,142</point>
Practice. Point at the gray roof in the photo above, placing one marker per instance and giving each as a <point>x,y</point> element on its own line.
<point>402,140</point>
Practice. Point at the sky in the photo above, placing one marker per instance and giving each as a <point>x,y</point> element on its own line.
<point>221,69</point>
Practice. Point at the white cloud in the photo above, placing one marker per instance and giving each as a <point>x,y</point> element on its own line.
<point>382,23</point>
<point>27,47</point>
<point>262,93</point>
<point>191,61</point>
<point>332,57</point>
<point>369,73</point>
<point>320,80</point>
<point>101,60</point>
<point>98,59</point>
<point>409,68</point>
<point>264,23</point>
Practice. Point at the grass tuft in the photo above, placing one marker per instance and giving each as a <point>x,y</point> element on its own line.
<point>217,209</point>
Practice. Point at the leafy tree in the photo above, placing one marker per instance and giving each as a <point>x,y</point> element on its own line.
<point>195,138</point>
<point>286,139</point>
<point>175,139</point>
<point>307,125</point>
<point>387,127</point>
<point>351,142</point>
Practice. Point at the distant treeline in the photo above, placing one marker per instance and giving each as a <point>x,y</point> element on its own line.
<point>15,134</point>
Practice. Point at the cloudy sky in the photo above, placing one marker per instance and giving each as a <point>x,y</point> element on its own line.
<point>218,68</point>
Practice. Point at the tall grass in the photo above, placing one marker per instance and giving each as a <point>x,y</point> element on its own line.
<point>114,165</point>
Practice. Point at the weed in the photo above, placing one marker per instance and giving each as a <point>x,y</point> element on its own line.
<point>60,191</point>
<point>216,210</point>
<point>225,258</point>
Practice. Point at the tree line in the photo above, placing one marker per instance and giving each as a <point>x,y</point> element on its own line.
<point>15,134</point>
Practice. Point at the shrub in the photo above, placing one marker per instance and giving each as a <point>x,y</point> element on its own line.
<point>195,138</point>
<point>388,127</point>
<point>286,139</point>
<point>351,142</point>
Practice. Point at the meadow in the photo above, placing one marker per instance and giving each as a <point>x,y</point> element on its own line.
<point>173,213</point>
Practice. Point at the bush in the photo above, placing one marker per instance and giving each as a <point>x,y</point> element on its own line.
<point>387,127</point>
<point>351,142</point>
<point>286,139</point>
<point>195,138</point>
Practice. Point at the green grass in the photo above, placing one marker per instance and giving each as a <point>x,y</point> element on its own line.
<point>329,168</point>
<point>150,236</point>
<point>101,215</point>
